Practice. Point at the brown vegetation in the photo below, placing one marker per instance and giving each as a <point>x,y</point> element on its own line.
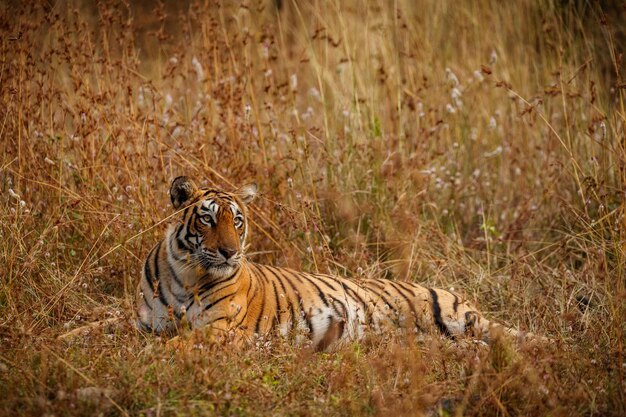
<point>469,145</point>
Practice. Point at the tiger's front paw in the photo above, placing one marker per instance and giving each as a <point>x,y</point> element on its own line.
<point>178,344</point>
<point>188,341</point>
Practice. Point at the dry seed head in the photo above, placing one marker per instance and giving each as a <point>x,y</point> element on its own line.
<point>493,58</point>
<point>293,82</point>
<point>13,194</point>
<point>452,78</point>
<point>198,69</point>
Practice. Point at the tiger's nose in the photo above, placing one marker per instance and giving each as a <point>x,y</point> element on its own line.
<point>227,252</point>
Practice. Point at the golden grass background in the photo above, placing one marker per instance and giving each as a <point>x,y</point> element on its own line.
<point>474,145</point>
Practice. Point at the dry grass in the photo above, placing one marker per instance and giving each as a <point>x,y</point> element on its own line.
<point>457,144</point>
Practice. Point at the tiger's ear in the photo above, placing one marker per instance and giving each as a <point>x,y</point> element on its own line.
<point>247,192</point>
<point>182,190</point>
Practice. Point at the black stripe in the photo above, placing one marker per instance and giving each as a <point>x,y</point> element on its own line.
<point>157,276</point>
<point>143,326</point>
<point>223,196</point>
<point>455,305</point>
<point>249,297</point>
<point>250,287</point>
<point>180,298</point>
<point>342,325</point>
<point>289,272</point>
<point>194,217</point>
<point>300,275</point>
<point>257,325</point>
<point>245,312</point>
<point>341,313</point>
<point>205,288</point>
<point>392,304</point>
<point>152,279</point>
<point>437,314</point>
<point>400,290</point>
<point>184,227</point>
<point>366,308</point>
<point>319,290</point>
<point>263,277</point>
<point>296,316</point>
<point>408,301</point>
<point>156,260</point>
<point>170,243</point>
<point>217,194</point>
<point>243,317</point>
<point>179,241</point>
<point>307,318</point>
<point>214,303</point>
<point>410,288</point>
<point>257,320</point>
<point>205,296</point>
<point>146,266</point>
<point>377,284</point>
<point>191,301</point>
<point>282,286</point>
<point>289,302</point>
<point>190,223</point>
<point>322,279</point>
<point>218,319</point>
<point>313,279</point>
<point>381,295</point>
<point>277,315</point>
<point>190,235</point>
<point>147,278</point>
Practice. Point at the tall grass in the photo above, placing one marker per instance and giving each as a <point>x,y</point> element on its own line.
<point>478,146</point>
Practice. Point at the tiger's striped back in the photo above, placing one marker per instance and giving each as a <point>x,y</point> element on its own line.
<point>197,276</point>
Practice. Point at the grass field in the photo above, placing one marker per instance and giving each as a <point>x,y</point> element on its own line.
<point>477,146</point>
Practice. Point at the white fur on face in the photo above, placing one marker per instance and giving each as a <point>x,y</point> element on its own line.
<point>209,207</point>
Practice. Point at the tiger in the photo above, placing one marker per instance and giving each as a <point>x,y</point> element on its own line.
<point>199,277</point>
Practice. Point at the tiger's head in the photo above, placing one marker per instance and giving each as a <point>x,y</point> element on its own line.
<point>213,225</point>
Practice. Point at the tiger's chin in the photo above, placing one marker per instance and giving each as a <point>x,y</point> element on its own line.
<point>224,270</point>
